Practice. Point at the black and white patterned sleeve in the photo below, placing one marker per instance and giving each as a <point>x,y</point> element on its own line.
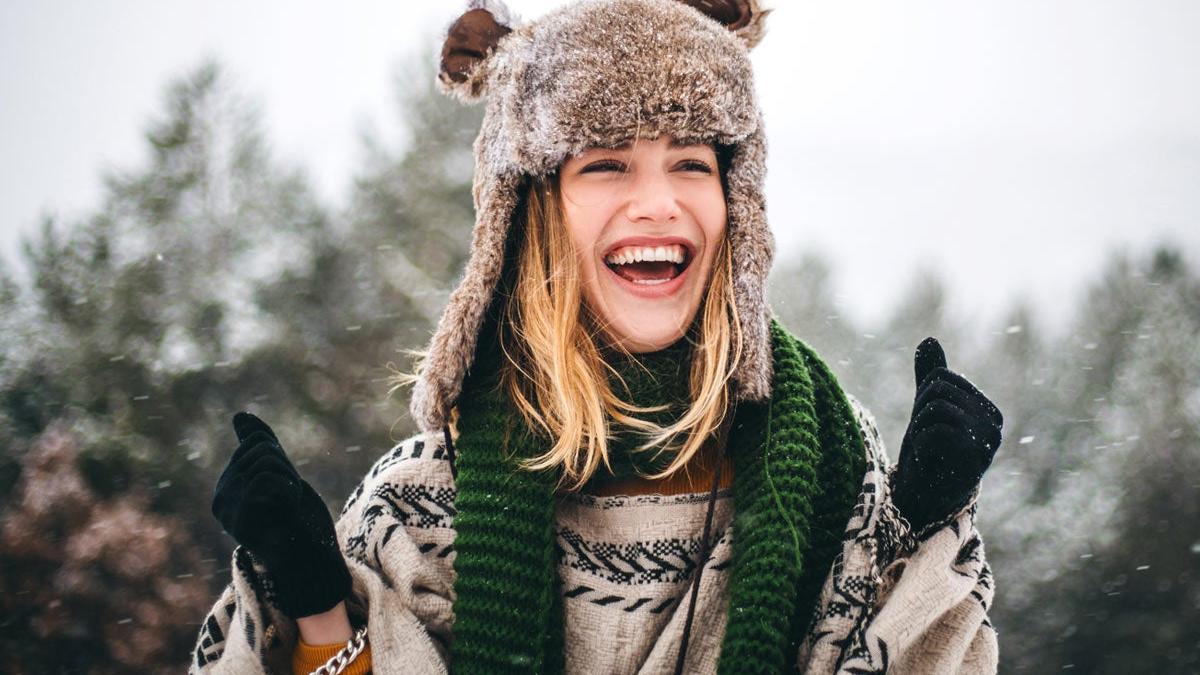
<point>898,604</point>
<point>244,633</point>
<point>398,537</point>
<point>396,534</point>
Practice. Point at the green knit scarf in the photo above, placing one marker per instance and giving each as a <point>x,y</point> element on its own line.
<point>798,460</point>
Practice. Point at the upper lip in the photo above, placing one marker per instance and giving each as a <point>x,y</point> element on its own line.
<point>645,240</point>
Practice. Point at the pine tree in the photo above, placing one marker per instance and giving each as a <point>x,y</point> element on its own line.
<point>138,318</point>
<point>211,280</point>
<point>1091,523</point>
<point>1136,602</point>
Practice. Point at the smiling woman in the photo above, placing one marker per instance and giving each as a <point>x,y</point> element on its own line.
<point>625,464</point>
<point>620,250</point>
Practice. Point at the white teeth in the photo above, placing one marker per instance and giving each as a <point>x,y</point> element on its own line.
<point>629,254</point>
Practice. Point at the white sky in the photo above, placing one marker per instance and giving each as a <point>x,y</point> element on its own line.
<point>1007,144</point>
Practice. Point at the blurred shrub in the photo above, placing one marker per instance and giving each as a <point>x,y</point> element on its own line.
<point>92,582</point>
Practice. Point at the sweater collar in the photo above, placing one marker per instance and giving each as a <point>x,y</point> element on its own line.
<point>649,379</point>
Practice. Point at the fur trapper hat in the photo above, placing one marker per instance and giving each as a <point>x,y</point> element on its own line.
<point>601,73</point>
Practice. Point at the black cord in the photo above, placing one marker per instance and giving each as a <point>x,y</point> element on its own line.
<point>450,451</point>
<point>704,549</point>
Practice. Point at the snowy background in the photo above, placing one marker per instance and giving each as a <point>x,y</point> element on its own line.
<point>228,206</point>
<point>1006,145</point>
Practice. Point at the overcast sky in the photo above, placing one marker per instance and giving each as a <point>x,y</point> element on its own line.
<point>1007,145</point>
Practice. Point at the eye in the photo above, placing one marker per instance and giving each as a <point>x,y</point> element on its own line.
<point>603,165</point>
<point>695,165</point>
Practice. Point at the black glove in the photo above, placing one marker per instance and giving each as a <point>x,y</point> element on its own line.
<point>951,439</point>
<point>262,502</point>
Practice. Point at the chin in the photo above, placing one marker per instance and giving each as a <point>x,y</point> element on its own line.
<point>649,329</point>
<point>644,319</point>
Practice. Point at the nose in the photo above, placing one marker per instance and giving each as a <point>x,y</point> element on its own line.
<point>651,198</point>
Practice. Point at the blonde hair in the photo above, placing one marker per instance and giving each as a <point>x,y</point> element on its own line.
<point>553,369</point>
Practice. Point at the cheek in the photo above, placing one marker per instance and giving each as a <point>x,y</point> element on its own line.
<point>583,231</point>
<point>583,226</point>
<point>708,208</point>
<point>715,234</point>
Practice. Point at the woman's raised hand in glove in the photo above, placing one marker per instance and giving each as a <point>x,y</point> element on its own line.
<point>262,502</point>
<point>951,439</point>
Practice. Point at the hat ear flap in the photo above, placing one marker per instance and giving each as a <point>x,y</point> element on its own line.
<point>470,41</point>
<point>744,17</point>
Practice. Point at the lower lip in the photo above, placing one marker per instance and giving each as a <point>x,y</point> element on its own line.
<point>661,290</point>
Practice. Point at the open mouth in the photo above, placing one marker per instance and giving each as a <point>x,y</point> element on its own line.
<point>649,265</point>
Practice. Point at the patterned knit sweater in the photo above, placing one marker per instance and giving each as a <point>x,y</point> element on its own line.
<point>889,602</point>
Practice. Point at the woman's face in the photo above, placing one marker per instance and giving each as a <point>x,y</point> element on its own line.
<point>646,220</point>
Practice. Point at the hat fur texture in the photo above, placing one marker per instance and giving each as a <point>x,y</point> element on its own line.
<point>600,73</point>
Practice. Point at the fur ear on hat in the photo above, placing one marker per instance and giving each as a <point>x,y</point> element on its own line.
<point>744,17</point>
<point>470,40</point>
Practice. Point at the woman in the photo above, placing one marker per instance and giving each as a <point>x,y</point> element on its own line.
<point>625,465</point>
